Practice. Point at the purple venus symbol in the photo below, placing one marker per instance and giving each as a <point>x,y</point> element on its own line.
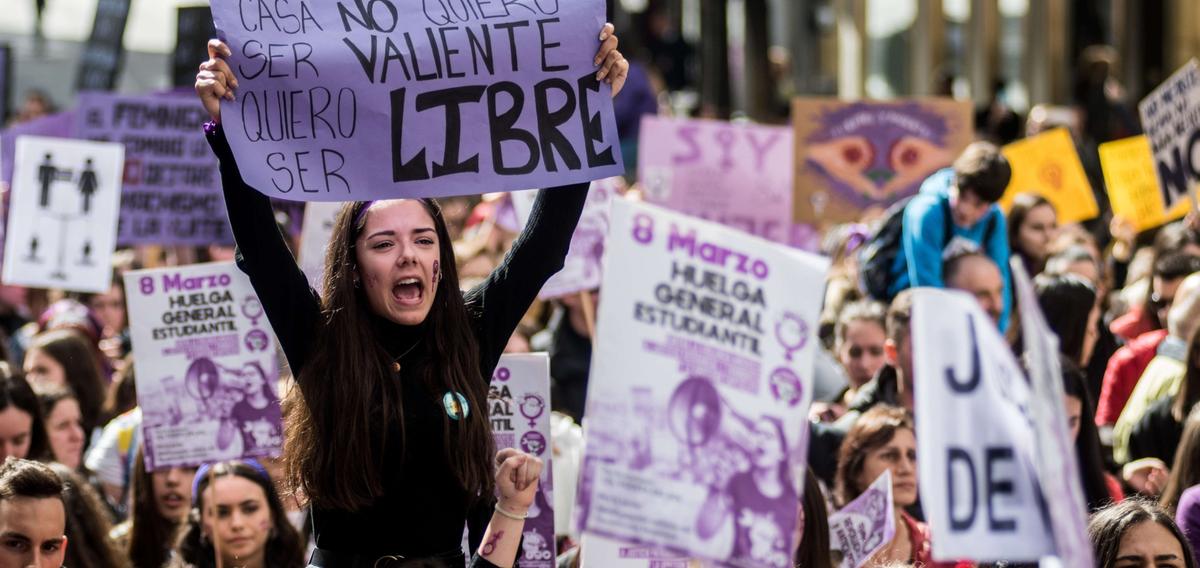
<point>252,309</point>
<point>532,407</point>
<point>792,333</point>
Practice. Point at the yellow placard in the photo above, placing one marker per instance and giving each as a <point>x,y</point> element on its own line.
<point>1048,165</point>
<point>1133,186</point>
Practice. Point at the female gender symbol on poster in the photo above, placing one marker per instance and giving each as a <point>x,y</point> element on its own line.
<point>62,222</point>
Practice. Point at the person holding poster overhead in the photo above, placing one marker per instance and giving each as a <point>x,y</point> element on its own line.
<point>387,435</point>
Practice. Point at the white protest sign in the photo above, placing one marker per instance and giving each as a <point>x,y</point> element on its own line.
<point>206,366</point>
<point>1057,463</point>
<point>864,525</point>
<point>701,381</point>
<point>314,239</point>
<point>975,437</point>
<point>519,407</point>
<point>584,263</point>
<point>62,221</point>
<point>1171,118</point>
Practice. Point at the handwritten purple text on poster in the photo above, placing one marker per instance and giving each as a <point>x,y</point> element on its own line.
<point>172,191</point>
<point>737,175</point>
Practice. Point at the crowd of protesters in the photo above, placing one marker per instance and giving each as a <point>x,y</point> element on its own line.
<point>75,491</point>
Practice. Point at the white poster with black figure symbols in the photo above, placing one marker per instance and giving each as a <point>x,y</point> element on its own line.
<point>62,220</point>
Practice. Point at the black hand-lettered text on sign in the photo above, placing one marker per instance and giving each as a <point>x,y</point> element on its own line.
<point>364,99</point>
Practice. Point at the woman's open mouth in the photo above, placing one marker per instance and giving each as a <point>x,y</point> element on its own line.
<point>408,292</point>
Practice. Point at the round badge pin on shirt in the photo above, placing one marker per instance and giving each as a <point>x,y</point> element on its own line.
<point>456,405</point>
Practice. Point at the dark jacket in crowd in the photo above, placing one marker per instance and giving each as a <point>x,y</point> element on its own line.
<point>570,364</point>
<point>827,438</point>
<point>1157,434</point>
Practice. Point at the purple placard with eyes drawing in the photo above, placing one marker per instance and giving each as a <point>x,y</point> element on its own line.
<point>206,365</point>
<point>519,407</point>
<point>738,175</point>
<point>864,525</point>
<point>701,379</point>
<point>854,156</point>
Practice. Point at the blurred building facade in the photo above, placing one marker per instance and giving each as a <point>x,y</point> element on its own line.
<point>726,58</point>
<point>751,53</point>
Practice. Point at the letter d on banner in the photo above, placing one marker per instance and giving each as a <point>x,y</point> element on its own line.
<point>975,438</point>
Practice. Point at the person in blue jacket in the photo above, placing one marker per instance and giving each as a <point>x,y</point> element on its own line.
<point>956,209</point>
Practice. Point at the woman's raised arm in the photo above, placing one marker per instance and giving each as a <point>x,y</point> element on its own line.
<point>290,304</point>
<point>541,249</point>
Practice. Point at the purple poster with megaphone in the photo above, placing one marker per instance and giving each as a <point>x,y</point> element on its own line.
<point>206,365</point>
<point>700,384</point>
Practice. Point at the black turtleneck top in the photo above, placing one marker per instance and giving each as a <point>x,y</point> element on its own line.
<point>422,511</point>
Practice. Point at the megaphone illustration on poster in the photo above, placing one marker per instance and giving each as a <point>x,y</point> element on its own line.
<point>205,380</point>
<point>202,379</point>
<point>697,412</point>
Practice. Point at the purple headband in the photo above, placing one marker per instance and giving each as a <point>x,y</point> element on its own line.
<point>362,212</point>
<point>204,469</point>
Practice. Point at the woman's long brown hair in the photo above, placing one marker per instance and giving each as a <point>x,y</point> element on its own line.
<point>338,421</point>
<point>149,532</point>
<point>87,524</point>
